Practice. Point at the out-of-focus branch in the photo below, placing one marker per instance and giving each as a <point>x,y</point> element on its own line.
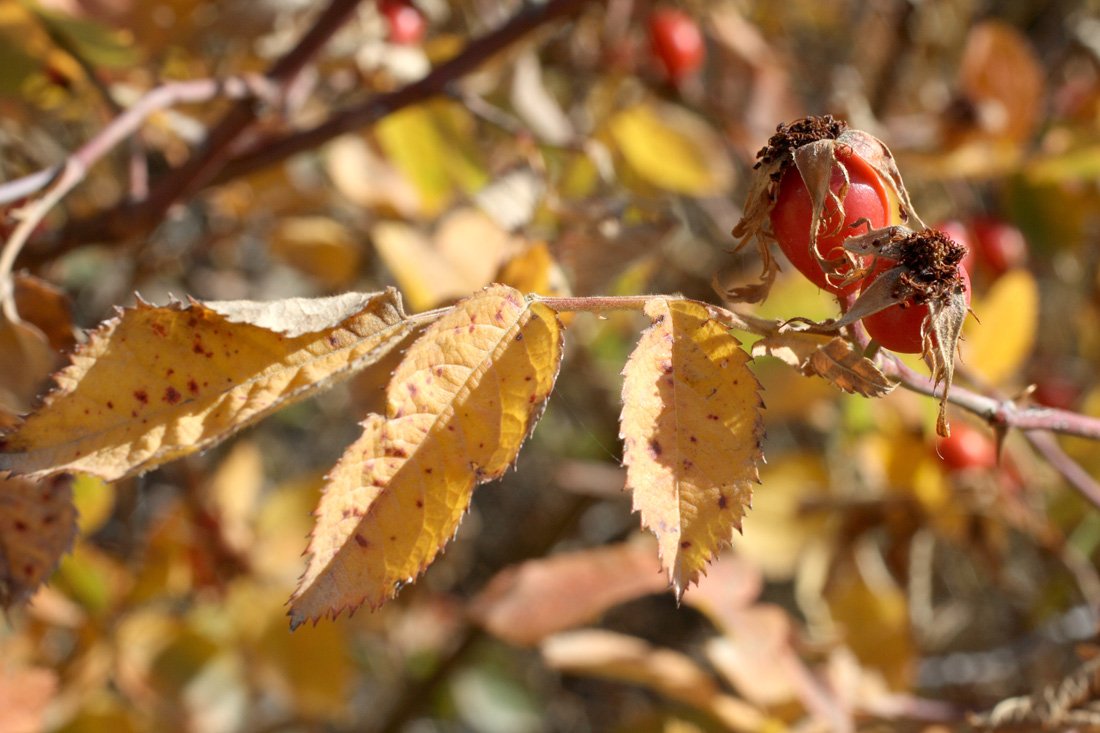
<point>130,219</point>
<point>67,176</point>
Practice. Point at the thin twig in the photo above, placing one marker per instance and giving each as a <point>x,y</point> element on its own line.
<point>163,97</point>
<point>130,217</point>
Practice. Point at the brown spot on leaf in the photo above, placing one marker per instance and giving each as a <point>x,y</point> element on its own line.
<point>361,541</point>
<point>655,449</point>
<point>712,416</point>
<point>110,405</point>
<point>193,387</point>
<point>20,525</point>
<point>333,341</point>
<point>519,337</point>
<point>685,544</point>
<point>419,503</point>
<point>172,396</point>
<point>693,439</point>
<point>395,452</point>
<point>723,502</point>
<point>141,396</point>
<point>159,329</point>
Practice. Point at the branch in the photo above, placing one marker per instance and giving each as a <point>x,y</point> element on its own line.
<point>76,166</point>
<point>132,219</point>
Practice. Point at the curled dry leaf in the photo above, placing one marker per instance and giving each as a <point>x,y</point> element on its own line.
<point>459,406</point>
<point>810,145</point>
<point>158,383</point>
<point>691,430</point>
<point>37,526</point>
<point>833,360</point>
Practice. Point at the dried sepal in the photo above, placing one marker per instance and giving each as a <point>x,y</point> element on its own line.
<point>945,320</point>
<point>811,145</point>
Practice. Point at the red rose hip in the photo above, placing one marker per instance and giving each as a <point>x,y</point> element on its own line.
<point>791,218</point>
<point>677,42</point>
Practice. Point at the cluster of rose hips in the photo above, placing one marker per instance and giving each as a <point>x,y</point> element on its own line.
<point>833,201</point>
<point>838,231</point>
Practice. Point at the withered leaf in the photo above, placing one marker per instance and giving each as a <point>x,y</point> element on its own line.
<point>833,360</point>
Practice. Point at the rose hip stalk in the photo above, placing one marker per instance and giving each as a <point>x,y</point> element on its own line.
<point>816,184</point>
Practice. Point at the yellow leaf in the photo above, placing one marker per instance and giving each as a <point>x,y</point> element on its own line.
<point>458,407</point>
<point>691,427</point>
<point>37,525</point>
<point>426,143</point>
<point>425,277</point>
<point>672,149</point>
<point>157,383</point>
<point>535,271</point>
<point>319,246</point>
<point>1009,313</point>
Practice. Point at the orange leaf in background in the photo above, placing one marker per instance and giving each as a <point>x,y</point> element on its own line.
<point>37,526</point>
<point>691,428</point>
<point>670,673</point>
<point>158,383</point>
<point>24,695</point>
<point>1003,77</point>
<point>525,603</point>
<point>459,406</point>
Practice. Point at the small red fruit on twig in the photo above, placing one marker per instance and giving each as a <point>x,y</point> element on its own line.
<point>677,42</point>
<point>406,22</point>
<point>998,245</point>
<point>967,447</point>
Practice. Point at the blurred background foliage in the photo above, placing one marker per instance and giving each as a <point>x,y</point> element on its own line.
<point>878,585</point>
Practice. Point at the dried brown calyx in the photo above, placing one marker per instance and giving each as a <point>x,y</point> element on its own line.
<point>794,135</point>
<point>930,262</point>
